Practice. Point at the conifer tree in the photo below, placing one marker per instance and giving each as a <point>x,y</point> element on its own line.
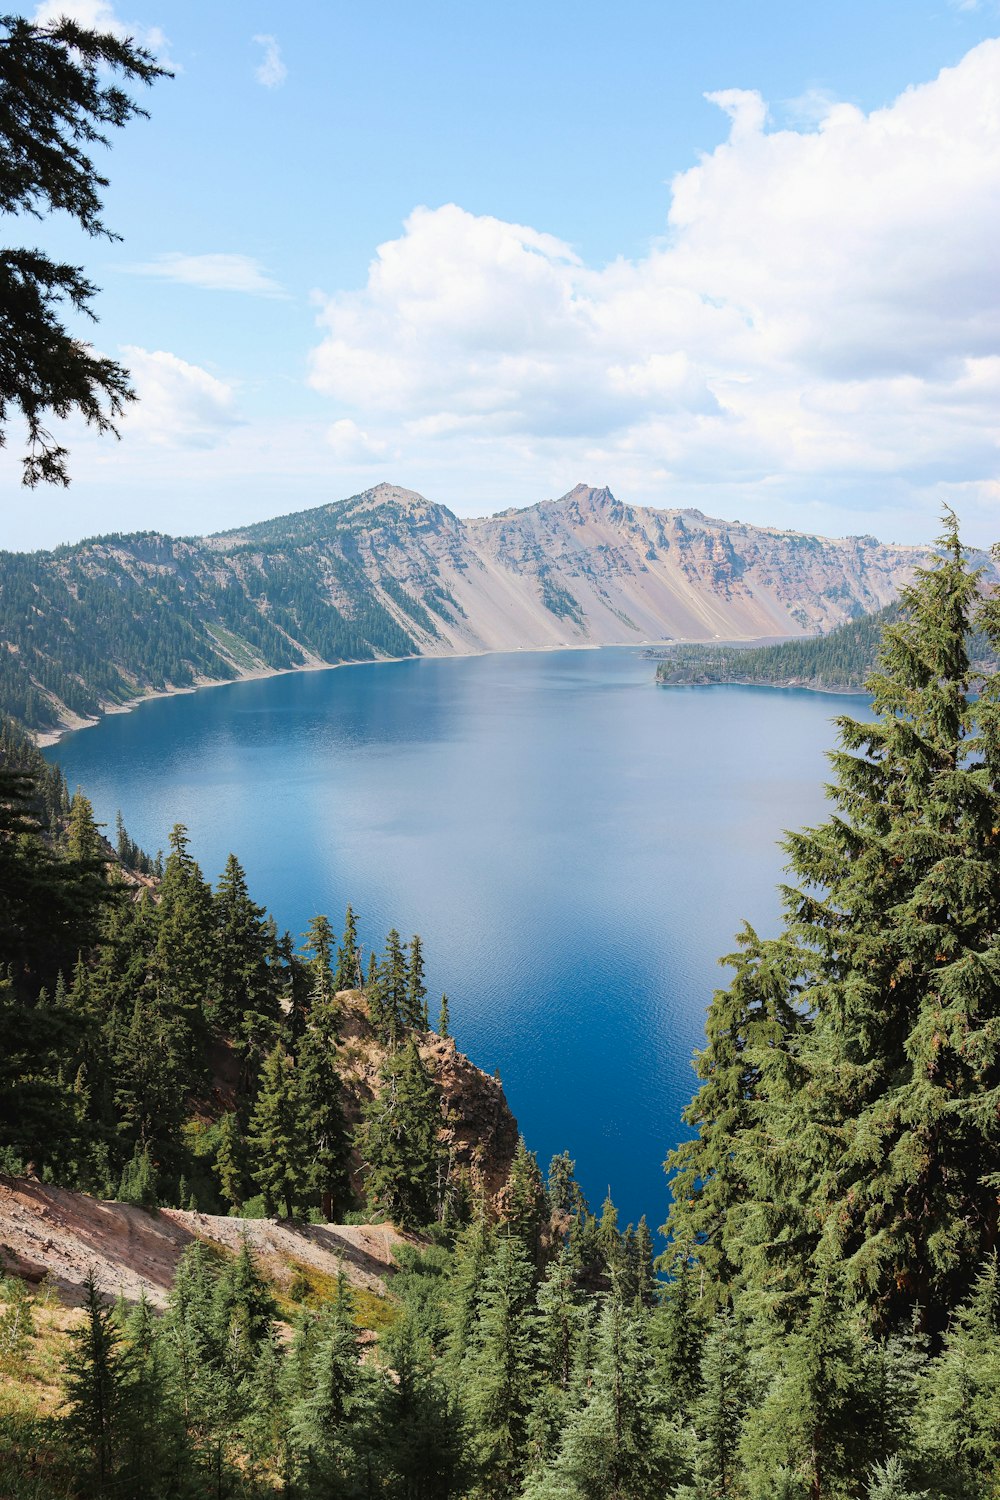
<point>229,1159</point>
<point>324,1143</point>
<point>498,1374</point>
<point>819,1419</point>
<point>754,1015</point>
<point>245,989</point>
<point>853,1071</point>
<point>525,1199</point>
<point>678,1329</point>
<point>444,1018</point>
<point>473,1249</point>
<point>319,944</point>
<point>348,955</point>
<point>619,1443</point>
<point>274,1135</point>
<point>959,1416</point>
<point>96,1380</point>
<point>724,1397</point>
<point>415,1012</point>
<point>324,1423</point>
<point>243,1311</point>
<point>417,1428</point>
<point>83,839</point>
<point>399,1141</point>
<point>185,966</point>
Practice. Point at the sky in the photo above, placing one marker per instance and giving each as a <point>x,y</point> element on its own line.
<point>743,258</point>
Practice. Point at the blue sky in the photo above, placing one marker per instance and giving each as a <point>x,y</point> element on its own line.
<point>490,251</point>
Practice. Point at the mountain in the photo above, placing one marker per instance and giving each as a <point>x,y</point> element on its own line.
<point>388,573</point>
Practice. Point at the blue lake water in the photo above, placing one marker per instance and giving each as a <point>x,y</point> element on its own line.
<point>575,846</point>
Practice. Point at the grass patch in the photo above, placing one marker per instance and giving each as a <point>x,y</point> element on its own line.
<point>309,1287</point>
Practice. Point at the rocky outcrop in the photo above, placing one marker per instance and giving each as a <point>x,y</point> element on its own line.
<point>477,1126</point>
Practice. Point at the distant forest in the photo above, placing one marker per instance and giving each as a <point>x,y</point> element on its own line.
<point>838,662</point>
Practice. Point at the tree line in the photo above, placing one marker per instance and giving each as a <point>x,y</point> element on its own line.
<point>825,1324</point>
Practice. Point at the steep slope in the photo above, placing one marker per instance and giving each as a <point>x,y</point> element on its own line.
<point>52,1233</point>
<point>388,573</point>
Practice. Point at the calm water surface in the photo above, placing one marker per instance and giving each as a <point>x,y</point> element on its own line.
<point>575,846</point>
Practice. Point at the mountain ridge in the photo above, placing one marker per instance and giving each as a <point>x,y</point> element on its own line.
<point>94,626</point>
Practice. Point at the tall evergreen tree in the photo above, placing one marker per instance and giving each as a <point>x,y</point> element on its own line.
<point>399,1141</point>
<point>499,1373</point>
<point>348,975</point>
<point>415,1013</point>
<point>324,1142</point>
<point>274,1135</point>
<point>96,1386</point>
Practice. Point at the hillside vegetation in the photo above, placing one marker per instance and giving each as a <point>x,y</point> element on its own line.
<point>827,1325</point>
<point>387,573</point>
<point>836,663</point>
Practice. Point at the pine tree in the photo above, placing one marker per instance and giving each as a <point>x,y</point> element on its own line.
<point>444,1018</point>
<point>348,955</point>
<point>399,1141</point>
<point>498,1374</point>
<point>525,1205</point>
<point>95,1382</point>
<point>415,1009</point>
<point>274,1135</point>
<point>959,1416</point>
<point>324,1142</point>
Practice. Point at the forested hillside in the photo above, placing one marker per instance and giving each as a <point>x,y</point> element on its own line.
<point>387,573</point>
<point>826,1325</point>
<point>839,662</point>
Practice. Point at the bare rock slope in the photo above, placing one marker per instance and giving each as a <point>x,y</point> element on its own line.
<point>389,573</point>
<point>54,1234</point>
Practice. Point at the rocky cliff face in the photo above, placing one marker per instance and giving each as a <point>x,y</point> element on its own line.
<point>477,1125</point>
<point>588,569</point>
<point>390,573</point>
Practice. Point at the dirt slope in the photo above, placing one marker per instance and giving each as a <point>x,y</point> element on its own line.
<point>49,1231</point>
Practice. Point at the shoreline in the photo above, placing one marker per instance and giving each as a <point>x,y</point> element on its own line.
<point>46,738</point>
<point>801,687</point>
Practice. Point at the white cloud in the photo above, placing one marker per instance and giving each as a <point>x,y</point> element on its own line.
<point>179,404</point>
<point>271,71</point>
<point>824,309</point>
<point>351,445</point>
<point>214,273</point>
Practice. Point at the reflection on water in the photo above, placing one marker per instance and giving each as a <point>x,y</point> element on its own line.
<point>575,846</point>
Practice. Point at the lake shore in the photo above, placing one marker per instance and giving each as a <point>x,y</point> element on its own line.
<point>44,739</point>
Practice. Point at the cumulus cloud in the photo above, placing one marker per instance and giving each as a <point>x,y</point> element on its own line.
<point>271,71</point>
<point>180,404</point>
<point>822,307</point>
<point>214,273</point>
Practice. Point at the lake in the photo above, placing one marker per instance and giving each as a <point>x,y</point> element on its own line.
<point>575,846</point>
